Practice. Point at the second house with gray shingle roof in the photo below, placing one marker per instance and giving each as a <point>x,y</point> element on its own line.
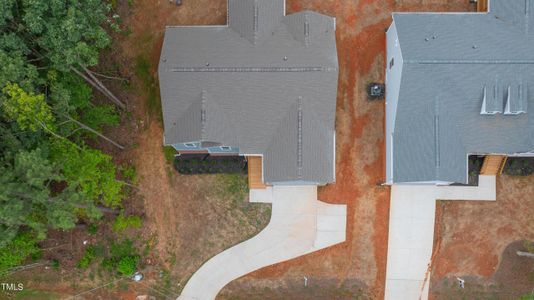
<point>458,84</point>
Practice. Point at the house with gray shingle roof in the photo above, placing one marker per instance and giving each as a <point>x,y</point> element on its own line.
<point>263,85</point>
<point>458,84</point>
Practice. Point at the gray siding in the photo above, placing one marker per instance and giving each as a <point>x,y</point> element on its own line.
<point>393,80</point>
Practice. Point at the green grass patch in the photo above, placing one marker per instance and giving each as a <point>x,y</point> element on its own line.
<point>143,71</point>
<point>233,186</point>
<point>169,153</point>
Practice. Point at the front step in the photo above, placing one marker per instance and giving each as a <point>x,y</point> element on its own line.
<point>493,165</point>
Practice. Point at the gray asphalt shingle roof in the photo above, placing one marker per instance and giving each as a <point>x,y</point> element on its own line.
<point>267,83</point>
<point>449,60</point>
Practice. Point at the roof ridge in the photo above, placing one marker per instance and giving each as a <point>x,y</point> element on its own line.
<point>299,137</point>
<point>203,114</point>
<point>253,69</point>
<point>469,61</point>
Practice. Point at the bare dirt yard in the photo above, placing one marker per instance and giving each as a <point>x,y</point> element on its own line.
<point>478,242</point>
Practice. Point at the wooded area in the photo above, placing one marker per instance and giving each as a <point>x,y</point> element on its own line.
<point>50,178</point>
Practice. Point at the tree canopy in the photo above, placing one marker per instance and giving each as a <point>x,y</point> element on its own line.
<point>50,178</point>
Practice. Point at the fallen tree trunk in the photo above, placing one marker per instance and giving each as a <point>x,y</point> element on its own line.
<point>94,82</point>
<point>102,209</point>
<point>103,87</point>
<point>95,132</point>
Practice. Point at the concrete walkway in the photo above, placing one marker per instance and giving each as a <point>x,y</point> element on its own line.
<point>411,233</point>
<point>300,224</point>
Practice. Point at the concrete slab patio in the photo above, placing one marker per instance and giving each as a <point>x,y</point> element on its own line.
<point>411,233</point>
<point>300,224</point>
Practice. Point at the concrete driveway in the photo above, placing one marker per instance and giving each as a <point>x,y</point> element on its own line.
<point>300,224</point>
<point>411,233</point>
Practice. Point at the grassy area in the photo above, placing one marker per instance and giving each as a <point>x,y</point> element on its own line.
<point>143,70</point>
<point>31,294</point>
<point>169,153</point>
<point>450,289</point>
<point>234,188</point>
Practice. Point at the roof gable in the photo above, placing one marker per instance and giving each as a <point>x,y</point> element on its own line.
<point>255,20</point>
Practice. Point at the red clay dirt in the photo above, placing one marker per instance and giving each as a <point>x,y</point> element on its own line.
<point>473,235</point>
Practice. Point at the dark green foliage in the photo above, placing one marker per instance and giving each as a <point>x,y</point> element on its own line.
<point>92,229</point>
<point>99,116</point>
<point>65,32</point>
<point>211,165</point>
<point>27,198</point>
<point>55,264</point>
<point>519,166</point>
<point>49,178</point>
<point>123,248</point>
<point>16,251</point>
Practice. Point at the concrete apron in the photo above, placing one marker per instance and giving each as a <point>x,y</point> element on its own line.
<point>300,224</point>
<point>411,233</point>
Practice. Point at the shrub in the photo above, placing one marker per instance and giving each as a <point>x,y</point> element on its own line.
<point>122,223</point>
<point>129,173</point>
<point>123,258</point>
<point>87,258</point>
<point>55,264</point>
<point>16,251</point>
<point>128,265</point>
<point>92,229</point>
